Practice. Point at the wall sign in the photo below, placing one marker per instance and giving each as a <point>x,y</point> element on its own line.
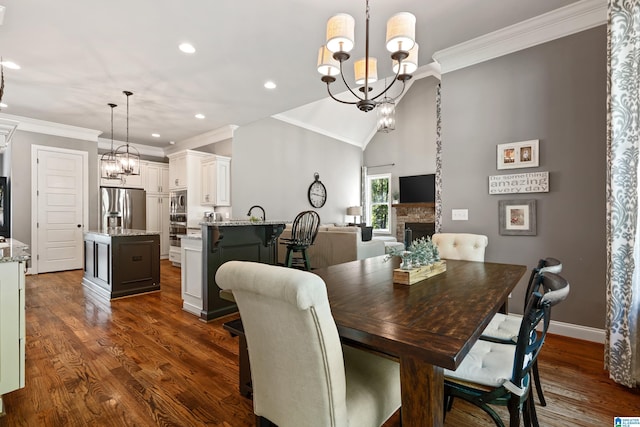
<point>533,182</point>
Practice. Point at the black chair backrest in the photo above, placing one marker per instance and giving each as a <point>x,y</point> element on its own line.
<point>551,265</point>
<point>530,341</point>
<point>305,228</point>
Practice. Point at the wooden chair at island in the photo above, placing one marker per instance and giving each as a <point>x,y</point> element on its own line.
<point>303,233</point>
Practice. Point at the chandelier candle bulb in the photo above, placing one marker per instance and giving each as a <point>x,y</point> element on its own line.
<point>360,70</point>
<point>340,33</point>
<point>401,32</point>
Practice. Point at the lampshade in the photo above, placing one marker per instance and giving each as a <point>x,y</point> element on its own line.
<point>410,64</point>
<point>340,30</point>
<point>354,210</point>
<point>359,70</point>
<point>401,32</point>
<point>327,66</point>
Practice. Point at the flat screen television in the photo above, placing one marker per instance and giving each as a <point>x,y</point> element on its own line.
<point>418,188</point>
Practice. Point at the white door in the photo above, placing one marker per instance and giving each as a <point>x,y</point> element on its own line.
<point>60,189</point>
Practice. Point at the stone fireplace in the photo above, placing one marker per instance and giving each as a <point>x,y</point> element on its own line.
<point>414,214</point>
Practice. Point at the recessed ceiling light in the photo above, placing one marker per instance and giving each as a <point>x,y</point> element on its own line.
<point>3,105</point>
<point>199,116</point>
<point>270,85</point>
<point>187,48</point>
<point>155,135</point>
<point>11,65</point>
<point>172,142</point>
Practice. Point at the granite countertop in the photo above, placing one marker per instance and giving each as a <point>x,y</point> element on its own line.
<point>119,232</point>
<point>14,250</point>
<point>241,223</point>
<point>192,236</point>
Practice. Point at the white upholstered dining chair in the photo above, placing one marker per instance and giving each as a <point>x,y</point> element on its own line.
<point>301,374</point>
<point>462,246</point>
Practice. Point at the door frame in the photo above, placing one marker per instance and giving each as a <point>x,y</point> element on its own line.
<point>34,195</point>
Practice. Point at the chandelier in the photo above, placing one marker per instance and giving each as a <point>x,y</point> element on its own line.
<point>127,156</point>
<point>340,39</point>
<point>108,162</point>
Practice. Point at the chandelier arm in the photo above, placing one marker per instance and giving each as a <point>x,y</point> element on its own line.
<point>392,83</point>
<point>340,100</point>
<point>347,86</point>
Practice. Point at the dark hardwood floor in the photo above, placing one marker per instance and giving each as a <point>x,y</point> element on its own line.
<point>142,361</point>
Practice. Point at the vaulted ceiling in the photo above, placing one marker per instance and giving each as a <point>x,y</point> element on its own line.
<point>76,56</point>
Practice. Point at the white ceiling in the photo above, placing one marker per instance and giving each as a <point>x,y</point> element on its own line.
<point>78,55</point>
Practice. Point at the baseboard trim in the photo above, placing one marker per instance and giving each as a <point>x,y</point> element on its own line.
<point>585,333</point>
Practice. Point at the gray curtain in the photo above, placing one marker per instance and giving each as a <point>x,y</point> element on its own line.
<point>623,239</point>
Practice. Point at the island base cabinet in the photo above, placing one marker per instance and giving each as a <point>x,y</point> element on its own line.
<point>121,265</point>
<point>12,328</point>
<point>191,275</point>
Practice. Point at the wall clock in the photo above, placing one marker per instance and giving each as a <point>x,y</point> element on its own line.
<point>317,192</point>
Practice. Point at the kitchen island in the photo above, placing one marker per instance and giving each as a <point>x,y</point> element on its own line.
<point>121,262</point>
<point>224,241</point>
<point>14,256</point>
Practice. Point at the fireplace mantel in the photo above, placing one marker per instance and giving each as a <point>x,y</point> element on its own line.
<point>414,205</point>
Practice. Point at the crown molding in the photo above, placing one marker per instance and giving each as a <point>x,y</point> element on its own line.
<point>50,128</point>
<point>562,22</point>
<point>211,137</point>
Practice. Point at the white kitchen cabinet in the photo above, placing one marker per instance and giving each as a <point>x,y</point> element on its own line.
<point>184,170</point>
<point>158,219</point>
<point>12,327</point>
<point>191,272</point>
<point>216,181</point>
<point>157,178</point>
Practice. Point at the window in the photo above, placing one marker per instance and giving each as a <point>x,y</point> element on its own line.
<point>379,202</point>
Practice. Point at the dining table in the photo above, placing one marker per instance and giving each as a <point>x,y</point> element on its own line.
<point>428,326</point>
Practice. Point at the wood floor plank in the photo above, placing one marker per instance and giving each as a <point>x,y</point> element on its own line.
<point>143,361</point>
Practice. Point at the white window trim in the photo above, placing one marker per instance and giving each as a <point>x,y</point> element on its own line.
<point>368,200</point>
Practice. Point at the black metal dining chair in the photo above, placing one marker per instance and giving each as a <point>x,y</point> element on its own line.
<point>500,374</point>
<point>303,234</point>
<point>504,328</point>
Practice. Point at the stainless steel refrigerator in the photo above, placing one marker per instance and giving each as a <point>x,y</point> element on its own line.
<point>123,207</point>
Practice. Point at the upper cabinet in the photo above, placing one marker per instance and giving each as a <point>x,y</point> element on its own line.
<point>216,181</point>
<point>184,170</point>
<point>157,178</point>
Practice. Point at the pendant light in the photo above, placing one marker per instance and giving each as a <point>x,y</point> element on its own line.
<point>386,114</point>
<point>340,41</point>
<point>128,157</point>
<point>108,162</point>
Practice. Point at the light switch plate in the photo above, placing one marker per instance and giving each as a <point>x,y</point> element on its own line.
<point>459,214</point>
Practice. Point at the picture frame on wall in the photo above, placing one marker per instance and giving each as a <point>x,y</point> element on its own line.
<point>517,217</point>
<point>523,154</point>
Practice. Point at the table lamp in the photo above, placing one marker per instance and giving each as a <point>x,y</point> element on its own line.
<point>354,211</point>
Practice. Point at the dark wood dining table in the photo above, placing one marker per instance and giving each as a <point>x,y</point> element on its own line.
<point>427,326</point>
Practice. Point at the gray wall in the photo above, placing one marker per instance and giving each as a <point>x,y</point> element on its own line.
<point>412,145</point>
<point>273,165</point>
<point>21,178</point>
<point>555,92</point>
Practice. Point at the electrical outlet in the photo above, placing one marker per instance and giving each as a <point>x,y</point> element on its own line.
<point>459,214</point>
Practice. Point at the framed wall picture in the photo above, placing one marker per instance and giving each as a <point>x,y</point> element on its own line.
<point>523,154</point>
<point>517,217</point>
